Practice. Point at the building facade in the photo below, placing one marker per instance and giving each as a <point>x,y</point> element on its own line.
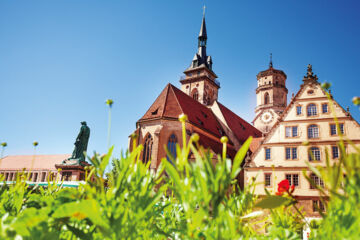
<point>309,118</point>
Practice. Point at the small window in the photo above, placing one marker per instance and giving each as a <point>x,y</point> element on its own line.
<point>66,176</point>
<point>313,131</point>
<point>314,154</point>
<point>334,130</point>
<point>298,110</point>
<point>310,92</point>
<point>204,114</point>
<point>318,205</point>
<point>291,153</point>
<point>291,131</point>
<point>155,112</point>
<point>316,180</point>
<point>198,73</point>
<point>43,176</point>
<point>267,153</point>
<point>267,177</point>
<point>311,110</point>
<point>200,122</point>
<point>335,152</point>
<point>266,98</point>
<point>325,108</point>
<point>293,179</point>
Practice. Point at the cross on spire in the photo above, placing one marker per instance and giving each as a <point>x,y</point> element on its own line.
<point>271,63</point>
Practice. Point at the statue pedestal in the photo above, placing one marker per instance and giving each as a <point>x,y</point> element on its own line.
<point>72,170</point>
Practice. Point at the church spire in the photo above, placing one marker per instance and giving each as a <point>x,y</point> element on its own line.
<point>201,57</point>
<point>202,33</point>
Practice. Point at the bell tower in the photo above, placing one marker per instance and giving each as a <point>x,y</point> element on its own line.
<point>200,81</point>
<point>271,97</point>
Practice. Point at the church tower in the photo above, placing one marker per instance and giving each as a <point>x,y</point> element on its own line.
<point>200,81</point>
<point>271,97</point>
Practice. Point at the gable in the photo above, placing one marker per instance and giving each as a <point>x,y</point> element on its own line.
<point>290,118</point>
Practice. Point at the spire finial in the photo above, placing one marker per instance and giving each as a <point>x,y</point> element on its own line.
<point>271,63</point>
<point>204,7</point>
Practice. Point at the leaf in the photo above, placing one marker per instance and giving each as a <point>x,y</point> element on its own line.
<point>272,202</point>
<point>253,214</point>
<point>240,156</point>
<point>106,159</point>
<point>81,210</point>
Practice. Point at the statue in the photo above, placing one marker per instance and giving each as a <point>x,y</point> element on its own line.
<point>81,143</point>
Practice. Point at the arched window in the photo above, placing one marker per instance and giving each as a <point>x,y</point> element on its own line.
<point>171,146</point>
<point>195,94</point>
<point>266,98</point>
<point>313,131</point>
<point>147,148</point>
<point>311,110</point>
<point>314,154</point>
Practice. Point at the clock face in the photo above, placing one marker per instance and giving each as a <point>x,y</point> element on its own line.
<point>267,117</point>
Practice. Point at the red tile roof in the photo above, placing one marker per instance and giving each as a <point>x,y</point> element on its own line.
<point>37,162</point>
<point>172,102</point>
<point>215,146</point>
<point>239,126</point>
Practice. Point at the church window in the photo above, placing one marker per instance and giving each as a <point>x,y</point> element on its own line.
<point>298,110</point>
<point>267,177</point>
<point>267,153</point>
<point>311,110</point>
<point>313,131</point>
<point>147,149</point>
<point>291,131</point>
<point>335,152</point>
<point>171,146</point>
<point>314,154</point>
<point>266,98</point>
<point>334,129</point>
<point>310,92</point>
<point>316,180</point>
<point>325,108</point>
<point>195,94</point>
<point>198,73</point>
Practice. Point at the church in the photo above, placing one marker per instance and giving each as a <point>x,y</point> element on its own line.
<point>198,99</point>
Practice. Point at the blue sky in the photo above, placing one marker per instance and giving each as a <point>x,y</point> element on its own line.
<point>60,60</point>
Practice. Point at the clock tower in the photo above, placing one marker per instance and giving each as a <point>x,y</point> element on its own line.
<point>271,97</point>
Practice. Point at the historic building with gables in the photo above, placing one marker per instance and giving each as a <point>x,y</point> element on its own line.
<point>309,118</point>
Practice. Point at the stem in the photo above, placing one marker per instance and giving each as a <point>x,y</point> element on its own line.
<point>224,151</point>
<point>109,128</point>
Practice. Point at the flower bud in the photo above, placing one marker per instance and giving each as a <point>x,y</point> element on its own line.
<point>182,117</point>
<point>224,139</point>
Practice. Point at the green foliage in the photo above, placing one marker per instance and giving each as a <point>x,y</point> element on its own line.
<point>187,198</point>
